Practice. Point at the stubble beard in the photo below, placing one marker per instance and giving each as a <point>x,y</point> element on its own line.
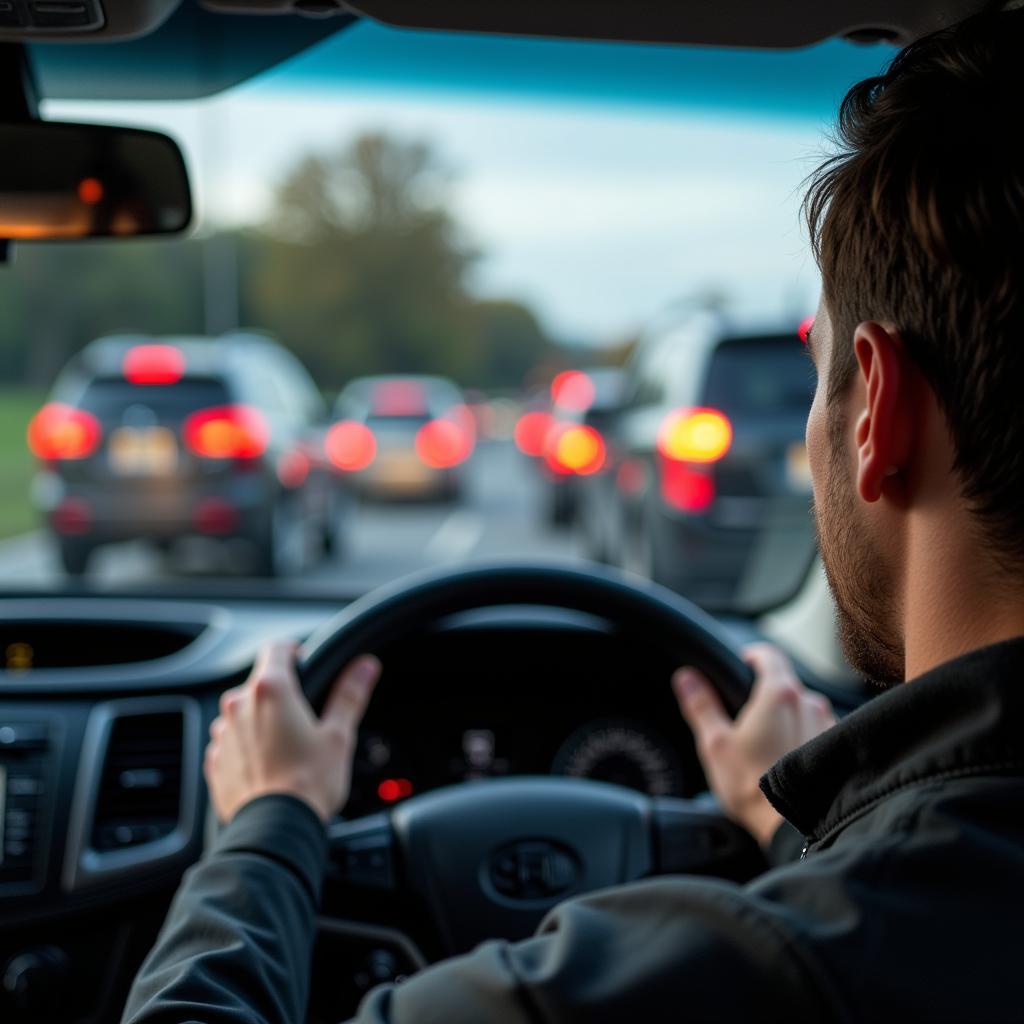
<point>860,579</point>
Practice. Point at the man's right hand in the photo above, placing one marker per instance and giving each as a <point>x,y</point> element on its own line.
<point>780,715</point>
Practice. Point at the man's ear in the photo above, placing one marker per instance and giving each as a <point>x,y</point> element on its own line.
<point>884,431</point>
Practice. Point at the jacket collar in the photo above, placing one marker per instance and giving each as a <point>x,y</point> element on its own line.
<point>963,717</point>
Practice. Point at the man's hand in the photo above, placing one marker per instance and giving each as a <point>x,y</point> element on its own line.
<point>267,739</point>
<point>781,715</point>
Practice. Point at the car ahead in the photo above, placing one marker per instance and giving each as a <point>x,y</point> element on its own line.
<point>402,437</point>
<point>158,439</point>
<point>706,486</point>
<point>564,436</point>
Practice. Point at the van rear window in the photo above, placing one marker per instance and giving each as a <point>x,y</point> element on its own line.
<point>760,377</point>
<point>107,398</point>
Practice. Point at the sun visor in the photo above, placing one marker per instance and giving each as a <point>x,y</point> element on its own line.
<point>731,23</point>
<point>81,20</point>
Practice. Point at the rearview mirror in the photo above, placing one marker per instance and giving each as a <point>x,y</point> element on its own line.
<point>67,181</point>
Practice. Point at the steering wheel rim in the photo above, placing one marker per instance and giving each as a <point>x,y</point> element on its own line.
<point>387,614</point>
<point>490,858</point>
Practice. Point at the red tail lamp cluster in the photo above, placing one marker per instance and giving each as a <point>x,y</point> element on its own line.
<point>804,330</point>
<point>690,441</point>
<point>227,432</point>
<point>153,364</point>
<point>61,431</point>
<point>574,448</point>
<point>350,445</point>
<point>531,431</point>
<point>440,443</point>
<point>573,389</point>
<point>443,443</point>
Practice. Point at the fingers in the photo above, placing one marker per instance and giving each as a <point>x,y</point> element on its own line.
<point>771,667</point>
<point>350,695</point>
<point>702,708</point>
<point>275,668</point>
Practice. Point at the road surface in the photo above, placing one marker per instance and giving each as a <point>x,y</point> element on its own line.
<point>502,517</point>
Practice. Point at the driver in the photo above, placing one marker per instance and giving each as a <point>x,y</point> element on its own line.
<point>905,900</point>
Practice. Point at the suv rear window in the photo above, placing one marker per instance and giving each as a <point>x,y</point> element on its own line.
<point>760,377</point>
<point>107,398</point>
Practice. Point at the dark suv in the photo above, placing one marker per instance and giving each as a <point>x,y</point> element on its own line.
<point>706,486</point>
<point>159,439</point>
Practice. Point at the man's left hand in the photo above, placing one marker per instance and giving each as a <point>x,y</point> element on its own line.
<point>267,739</point>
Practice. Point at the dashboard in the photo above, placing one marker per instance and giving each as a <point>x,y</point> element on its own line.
<point>105,705</point>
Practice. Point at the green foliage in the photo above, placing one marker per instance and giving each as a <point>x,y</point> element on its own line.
<point>16,464</point>
<point>360,268</point>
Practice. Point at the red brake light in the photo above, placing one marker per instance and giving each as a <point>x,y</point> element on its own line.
<point>686,487</point>
<point>575,449</point>
<point>153,364</point>
<point>695,435</point>
<point>572,389</point>
<point>531,430</point>
<point>350,445</point>
<point>442,444</point>
<point>61,431</point>
<point>227,432</point>
<point>804,330</point>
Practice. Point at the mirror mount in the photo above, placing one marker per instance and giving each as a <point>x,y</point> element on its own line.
<point>19,101</point>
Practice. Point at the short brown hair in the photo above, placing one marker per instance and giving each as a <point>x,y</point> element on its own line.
<point>919,220</point>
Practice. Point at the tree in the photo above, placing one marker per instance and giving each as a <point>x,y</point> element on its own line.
<point>360,267</point>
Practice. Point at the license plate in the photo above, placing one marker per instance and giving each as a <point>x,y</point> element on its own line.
<point>798,469</point>
<point>143,451</point>
<point>401,469</point>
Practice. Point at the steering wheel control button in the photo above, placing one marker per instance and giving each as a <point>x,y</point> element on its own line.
<point>380,967</point>
<point>361,853</point>
<point>533,870</point>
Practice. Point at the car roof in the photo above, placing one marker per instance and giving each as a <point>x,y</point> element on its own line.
<point>204,356</point>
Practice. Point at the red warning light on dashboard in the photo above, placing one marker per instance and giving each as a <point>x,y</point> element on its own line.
<point>391,790</point>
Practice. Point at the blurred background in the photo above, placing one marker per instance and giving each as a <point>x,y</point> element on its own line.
<point>448,298</point>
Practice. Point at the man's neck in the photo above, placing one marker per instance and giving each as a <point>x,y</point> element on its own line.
<point>956,599</point>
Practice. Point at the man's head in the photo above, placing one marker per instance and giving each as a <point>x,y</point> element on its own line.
<point>918,228</point>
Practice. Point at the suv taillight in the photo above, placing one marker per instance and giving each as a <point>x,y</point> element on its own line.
<point>61,431</point>
<point>695,435</point>
<point>226,432</point>
<point>443,443</point>
<point>574,449</point>
<point>689,441</point>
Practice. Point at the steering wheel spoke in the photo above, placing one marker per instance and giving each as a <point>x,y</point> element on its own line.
<point>693,837</point>
<point>362,853</point>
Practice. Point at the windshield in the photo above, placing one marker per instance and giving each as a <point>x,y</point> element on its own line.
<point>413,326</point>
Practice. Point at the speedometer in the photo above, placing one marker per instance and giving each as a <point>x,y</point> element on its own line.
<point>623,753</point>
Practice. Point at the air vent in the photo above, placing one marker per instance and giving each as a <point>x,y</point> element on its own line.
<point>139,799</point>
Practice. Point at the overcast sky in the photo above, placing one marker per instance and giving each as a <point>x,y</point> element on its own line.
<point>598,217</point>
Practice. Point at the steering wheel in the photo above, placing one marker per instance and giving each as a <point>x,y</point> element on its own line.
<point>488,859</point>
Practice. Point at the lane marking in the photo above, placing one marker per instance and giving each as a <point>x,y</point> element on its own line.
<point>456,537</point>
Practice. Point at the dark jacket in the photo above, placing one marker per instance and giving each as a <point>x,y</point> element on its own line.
<point>907,905</point>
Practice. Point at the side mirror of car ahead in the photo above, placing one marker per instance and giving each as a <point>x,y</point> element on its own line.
<point>70,181</point>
